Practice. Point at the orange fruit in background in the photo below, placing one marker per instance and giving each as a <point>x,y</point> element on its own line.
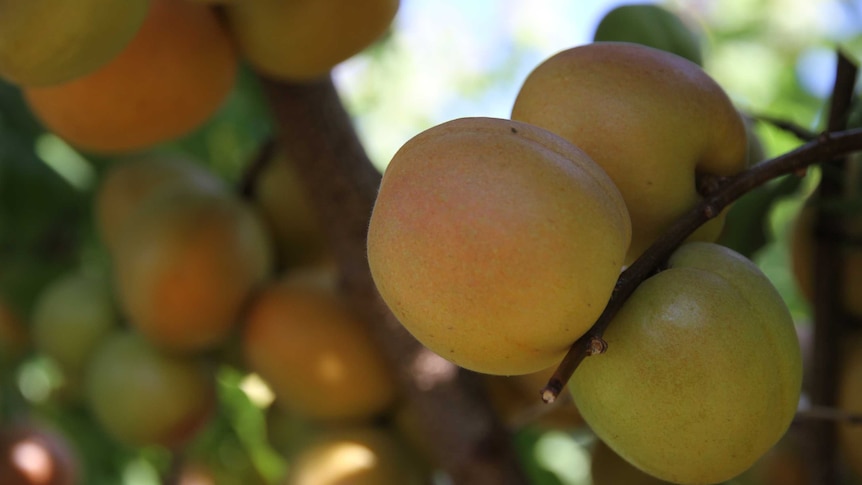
<point>319,360</point>
<point>33,454</point>
<point>170,79</point>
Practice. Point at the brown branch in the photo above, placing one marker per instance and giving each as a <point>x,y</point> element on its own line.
<point>828,292</point>
<point>317,135</point>
<point>830,414</point>
<point>827,146</point>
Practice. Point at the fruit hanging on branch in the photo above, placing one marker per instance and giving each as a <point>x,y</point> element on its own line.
<point>496,243</point>
<point>653,26</point>
<point>703,370</point>
<point>655,122</point>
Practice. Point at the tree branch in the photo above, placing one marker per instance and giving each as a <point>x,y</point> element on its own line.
<point>827,146</point>
<point>318,137</point>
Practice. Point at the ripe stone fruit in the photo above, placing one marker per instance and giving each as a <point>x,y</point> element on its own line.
<point>169,80</point>
<point>129,183</point>
<point>186,263</point>
<point>652,120</point>
<point>703,370</point>
<point>653,26</point>
<point>144,397</point>
<point>303,39</point>
<point>71,317</point>
<point>33,454</point>
<point>51,42</point>
<point>316,356</point>
<point>352,456</point>
<point>496,243</point>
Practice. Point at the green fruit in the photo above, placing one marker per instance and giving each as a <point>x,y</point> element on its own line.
<point>496,243</point>
<point>703,370</point>
<point>71,318</point>
<point>143,397</point>
<point>652,26</point>
<point>44,42</point>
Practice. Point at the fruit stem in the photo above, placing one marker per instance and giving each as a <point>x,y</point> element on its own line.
<point>829,145</point>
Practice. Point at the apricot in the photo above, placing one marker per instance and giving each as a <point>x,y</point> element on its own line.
<point>703,370</point>
<point>32,453</point>
<point>319,360</point>
<point>141,396</point>
<point>299,40</point>
<point>71,317</point>
<point>352,456</point>
<point>185,265</point>
<point>653,26</point>
<point>496,243</point>
<point>284,205</point>
<point>128,184</point>
<point>652,120</point>
<point>50,42</point>
<point>168,81</point>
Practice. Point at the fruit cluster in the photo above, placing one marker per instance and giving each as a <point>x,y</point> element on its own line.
<point>498,242</point>
<point>113,78</point>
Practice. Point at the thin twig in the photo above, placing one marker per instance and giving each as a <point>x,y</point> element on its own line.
<point>827,147</point>
<point>826,413</point>
<point>802,133</point>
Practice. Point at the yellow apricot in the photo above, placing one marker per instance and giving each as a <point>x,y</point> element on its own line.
<point>169,80</point>
<point>303,39</point>
<point>652,120</point>
<point>186,263</point>
<point>496,243</point>
<point>127,185</point>
<point>44,43</point>
<point>316,356</point>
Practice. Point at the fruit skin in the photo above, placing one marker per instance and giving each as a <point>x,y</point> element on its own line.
<point>300,40</point>
<point>652,120</point>
<point>128,184</point>
<point>144,397</point>
<point>186,264</point>
<point>653,26</point>
<point>44,456</point>
<point>496,243</point>
<point>168,81</point>
<point>316,356</point>
<point>50,42</point>
<point>703,370</point>
<point>352,456</point>
<point>280,198</point>
<point>70,319</point>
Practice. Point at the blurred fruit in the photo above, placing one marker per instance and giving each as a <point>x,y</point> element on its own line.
<point>301,40</point>
<point>608,468</point>
<point>32,454</point>
<point>352,456</point>
<point>186,263</point>
<point>316,356</point>
<point>706,370</point>
<point>168,81</point>
<point>483,231</point>
<point>128,184</point>
<point>71,318</point>
<point>282,201</point>
<point>141,396</point>
<point>287,431</point>
<point>655,122</point>
<point>653,26</point>
<point>802,257</point>
<point>50,42</point>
